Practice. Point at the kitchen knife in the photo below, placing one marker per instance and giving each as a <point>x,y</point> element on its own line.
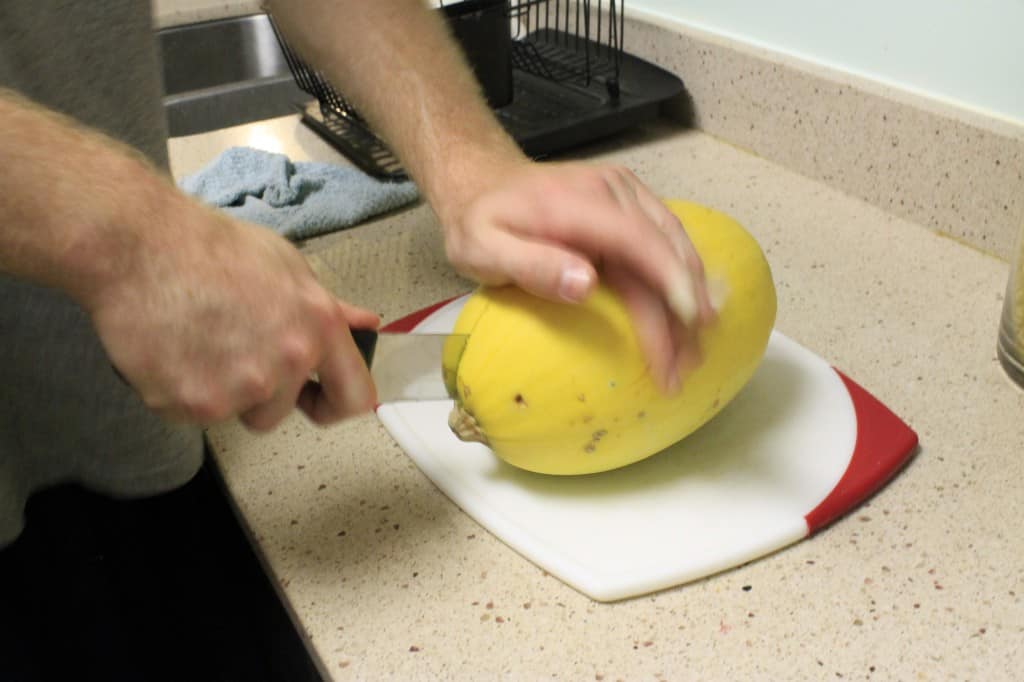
<point>407,366</point>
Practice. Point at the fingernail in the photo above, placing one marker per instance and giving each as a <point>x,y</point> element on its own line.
<point>683,301</point>
<point>575,284</point>
<point>674,382</point>
<point>718,292</point>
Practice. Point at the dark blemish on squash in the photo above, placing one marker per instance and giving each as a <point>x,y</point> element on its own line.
<point>612,384</point>
<point>520,400</point>
<point>716,403</point>
<point>582,398</point>
<point>587,418</point>
<point>641,414</point>
<point>595,438</point>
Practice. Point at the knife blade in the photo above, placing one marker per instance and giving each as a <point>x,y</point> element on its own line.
<point>407,366</point>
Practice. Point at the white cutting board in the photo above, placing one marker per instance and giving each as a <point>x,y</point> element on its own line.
<point>798,447</point>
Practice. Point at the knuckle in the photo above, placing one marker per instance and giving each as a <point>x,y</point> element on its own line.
<point>256,387</point>
<point>614,171</point>
<point>317,302</point>
<point>625,174</point>
<point>467,254</point>
<point>201,403</point>
<point>259,420</point>
<point>332,315</point>
<point>299,353</point>
<point>206,409</point>
<point>601,182</point>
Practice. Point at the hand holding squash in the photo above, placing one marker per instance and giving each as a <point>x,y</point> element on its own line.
<point>565,389</point>
<point>547,228</point>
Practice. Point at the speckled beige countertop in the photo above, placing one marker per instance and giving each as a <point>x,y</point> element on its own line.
<point>387,579</point>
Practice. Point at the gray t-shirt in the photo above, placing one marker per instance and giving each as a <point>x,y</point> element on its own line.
<point>65,416</point>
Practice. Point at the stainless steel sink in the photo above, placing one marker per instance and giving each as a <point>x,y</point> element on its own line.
<point>224,73</point>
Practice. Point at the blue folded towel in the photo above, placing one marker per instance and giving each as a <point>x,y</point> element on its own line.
<point>296,200</point>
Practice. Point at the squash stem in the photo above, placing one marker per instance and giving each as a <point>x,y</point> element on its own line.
<point>464,426</point>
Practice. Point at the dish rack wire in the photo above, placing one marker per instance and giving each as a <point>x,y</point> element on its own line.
<point>554,72</point>
<point>568,42</point>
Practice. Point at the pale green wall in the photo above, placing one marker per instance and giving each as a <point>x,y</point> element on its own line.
<point>968,52</point>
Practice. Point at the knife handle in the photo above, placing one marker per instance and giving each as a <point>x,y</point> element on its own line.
<point>366,342</point>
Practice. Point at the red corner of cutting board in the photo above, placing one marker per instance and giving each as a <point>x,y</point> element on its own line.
<point>409,322</point>
<point>884,444</point>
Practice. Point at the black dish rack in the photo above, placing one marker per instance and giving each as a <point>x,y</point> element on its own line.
<point>555,74</point>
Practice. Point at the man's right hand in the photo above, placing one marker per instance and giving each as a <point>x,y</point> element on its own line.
<point>207,317</point>
<point>215,318</point>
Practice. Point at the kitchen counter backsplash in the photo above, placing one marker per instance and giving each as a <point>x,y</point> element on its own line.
<point>954,170</point>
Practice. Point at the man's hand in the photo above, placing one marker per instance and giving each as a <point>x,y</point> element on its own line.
<point>205,316</point>
<point>548,228</point>
<point>231,321</point>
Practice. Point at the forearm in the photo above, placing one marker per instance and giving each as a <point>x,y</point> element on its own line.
<point>72,200</point>
<point>396,62</point>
